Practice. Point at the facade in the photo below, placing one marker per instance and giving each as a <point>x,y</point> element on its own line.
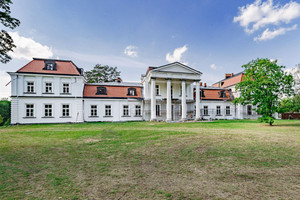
<point>55,91</point>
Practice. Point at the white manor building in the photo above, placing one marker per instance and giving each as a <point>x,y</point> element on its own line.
<point>55,91</point>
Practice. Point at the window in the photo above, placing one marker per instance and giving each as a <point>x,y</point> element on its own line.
<point>66,88</point>
<point>108,110</point>
<point>249,110</point>
<point>30,87</point>
<point>48,87</point>
<point>50,65</point>
<point>157,90</point>
<point>205,110</point>
<point>138,111</point>
<point>29,110</point>
<point>94,110</point>
<point>101,90</point>
<point>131,92</point>
<point>227,110</point>
<point>48,110</point>
<point>65,110</point>
<point>125,110</point>
<point>202,93</point>
<point>157,110</point>
<point>218,110</point>
<point>222,94</point>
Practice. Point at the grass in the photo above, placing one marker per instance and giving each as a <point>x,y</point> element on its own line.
<point>146,160</point>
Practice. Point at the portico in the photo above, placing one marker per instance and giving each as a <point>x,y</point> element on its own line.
<point>171,92</point>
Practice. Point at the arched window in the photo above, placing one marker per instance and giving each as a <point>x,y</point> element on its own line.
<point>131,92</point>
<point>101,90</point>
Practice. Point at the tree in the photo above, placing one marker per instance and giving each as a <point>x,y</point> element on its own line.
<point>290,104</point>
<point>6,42</point>
<point>5,110</point>
<point>102,74</point>
<point>264,84</point>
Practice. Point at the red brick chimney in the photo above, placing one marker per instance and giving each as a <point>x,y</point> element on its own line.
<point>200,83</point>
<point>119,80</point>
<point>228,75</point>
<point>204,84</point>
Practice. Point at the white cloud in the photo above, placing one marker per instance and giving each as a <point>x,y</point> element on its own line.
<point>257,15</point>
<point>177,54</point>
<point>131,51</point>
<point>27,48</point>
<point>213,66</point>
<point>268,35</point>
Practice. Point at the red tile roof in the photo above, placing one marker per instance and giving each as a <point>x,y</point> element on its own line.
<point>211,93</point>
<point>62,67</point>
<point>112,91</point>
<point>230,81</point>
<point>214,95</point>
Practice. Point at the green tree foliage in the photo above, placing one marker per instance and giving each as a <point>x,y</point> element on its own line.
<point>264,84</point>
<point>102,74</point>
<point>1,120</point>
<point>290,104</point>
<point>4,110</point>
<point>6,42</point>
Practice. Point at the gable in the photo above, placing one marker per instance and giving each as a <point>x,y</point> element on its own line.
<point>176,67</point>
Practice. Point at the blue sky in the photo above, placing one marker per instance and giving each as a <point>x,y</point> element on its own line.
<point>212,36</point>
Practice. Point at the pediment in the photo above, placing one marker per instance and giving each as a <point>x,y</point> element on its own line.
<point>176,68</point>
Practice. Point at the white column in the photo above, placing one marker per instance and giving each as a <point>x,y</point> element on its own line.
<point>169,101</point>
<point>183,101</point>
<point>146,91</point>
<point>197,100</point>
<point>153,100</point>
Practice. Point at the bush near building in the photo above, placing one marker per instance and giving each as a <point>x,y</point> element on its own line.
<point>5,111</point>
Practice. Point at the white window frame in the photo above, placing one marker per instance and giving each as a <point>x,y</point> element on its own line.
<point>126,110</point>
<point>30,89</point>
<point>46,110</point>
<point>94,110</point>
<point>31,110</point>
<point>51,87</point>
<point>108,110</point>
<point>218,110</point>
<point>67,109</point>
<point>68,88</point>
<point>227,110</point>
<point>205,110</point>
<point>138,110</point>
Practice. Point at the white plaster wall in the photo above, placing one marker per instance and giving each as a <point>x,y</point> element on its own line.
<point>19,110</point>
<point>116,109</point>
<point>19,84</point>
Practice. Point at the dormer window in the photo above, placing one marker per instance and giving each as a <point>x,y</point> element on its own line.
<point>222,94</point>
<point>202,93</point>
<point>131,92</point>
<point>101,90</point>
<point>50,65</point>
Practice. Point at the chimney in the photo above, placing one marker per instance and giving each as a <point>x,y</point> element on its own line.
<point>119,80</point>
<point>232,74</point>
<point>200,83</point>
<point>204,84</point>
<point>227,76</point>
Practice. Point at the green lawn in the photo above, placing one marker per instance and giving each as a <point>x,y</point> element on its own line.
<point>145,160</point>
